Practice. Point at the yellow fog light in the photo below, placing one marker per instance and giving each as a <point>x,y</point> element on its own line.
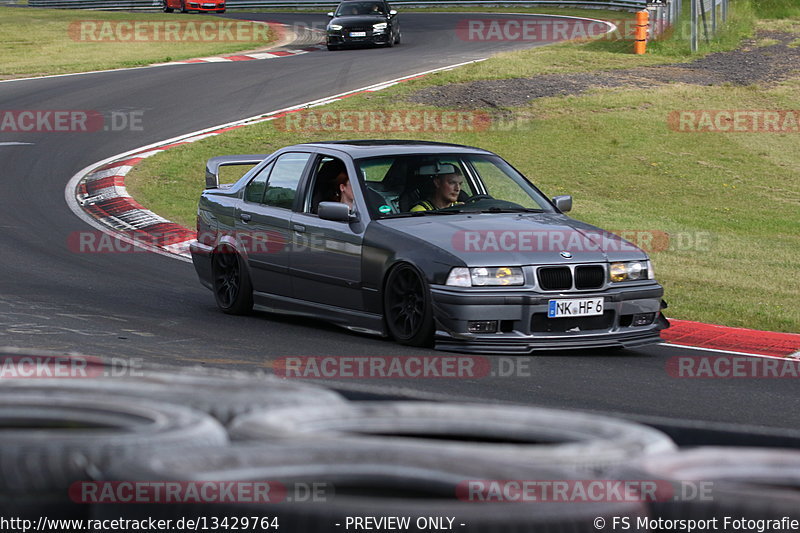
<point>617,272</point>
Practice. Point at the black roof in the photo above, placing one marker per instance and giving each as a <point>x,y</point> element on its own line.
<point>359,148</point>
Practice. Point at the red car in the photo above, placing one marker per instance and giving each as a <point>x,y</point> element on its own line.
<point>203,6</point>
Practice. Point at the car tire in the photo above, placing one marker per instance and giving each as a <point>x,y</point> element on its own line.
<point>49,441</point>
<point>221,11</point>
<point>390,41</point>
<point>183,8</point>
<point>233,290</point>
<point>399,37</point>
<point>166,7</point>
<point>365,479</point>
<point>407,307</point>
<point>526,435</point>
<point>715,482</point>
<point>223,395</point>
<point>333,47</point>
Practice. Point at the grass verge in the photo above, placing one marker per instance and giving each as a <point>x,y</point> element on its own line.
<point>56,41</point>
<point>729,201</point>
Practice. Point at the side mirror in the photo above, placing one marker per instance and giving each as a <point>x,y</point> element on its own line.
<point>563,203</point>
<point>336,211</point>
<point>330,14</point>
<point>392,12</point>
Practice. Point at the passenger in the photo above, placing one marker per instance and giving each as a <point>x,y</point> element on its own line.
<point>333,185</point>
<point>343,190</point>
<point>446,188</point>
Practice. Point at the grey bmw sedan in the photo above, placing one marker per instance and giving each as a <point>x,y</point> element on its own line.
<point>428,243</point>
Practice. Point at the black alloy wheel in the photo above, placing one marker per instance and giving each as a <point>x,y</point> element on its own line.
<point>233,290</point>
<point>407,306</point>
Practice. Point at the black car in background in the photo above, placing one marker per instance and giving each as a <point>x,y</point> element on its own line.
<point>358,22</point>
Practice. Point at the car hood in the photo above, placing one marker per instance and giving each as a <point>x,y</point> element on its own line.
<point>358,20</point>
<point>513,239</point>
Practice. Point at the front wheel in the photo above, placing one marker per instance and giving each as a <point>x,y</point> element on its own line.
<point>233,290</point>
<point>407,306</point>
<point>166,7</point>
<point>333,47</point>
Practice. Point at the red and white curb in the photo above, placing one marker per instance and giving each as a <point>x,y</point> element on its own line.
<point>245,57</point>
<point>732,340</point>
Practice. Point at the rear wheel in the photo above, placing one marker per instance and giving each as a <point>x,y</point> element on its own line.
<point>407,306</point>
<point>233,290</point>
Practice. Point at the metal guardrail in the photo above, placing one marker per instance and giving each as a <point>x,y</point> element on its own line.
<point>702,10</point>
<point>135,5</point>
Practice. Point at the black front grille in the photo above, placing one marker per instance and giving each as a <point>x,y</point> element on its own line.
<point>589,277</point>
<point>555,278</point>
<point>541,324</point>
<point>348,29</point>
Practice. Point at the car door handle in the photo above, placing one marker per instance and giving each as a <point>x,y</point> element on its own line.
<point>299,228</point>
<point>245,217</point>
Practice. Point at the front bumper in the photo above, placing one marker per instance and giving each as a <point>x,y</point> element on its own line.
<point>343,38</point>
<point>523,326</point>
<point>205,6</point>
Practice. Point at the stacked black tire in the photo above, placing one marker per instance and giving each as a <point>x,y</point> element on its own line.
<point>412,460</point>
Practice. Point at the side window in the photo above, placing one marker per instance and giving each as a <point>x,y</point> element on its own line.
<point>284,179</point>
<point>327,170</point>
<point>254,191</point>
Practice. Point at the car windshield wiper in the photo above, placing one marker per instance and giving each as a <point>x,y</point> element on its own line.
<point>509,210</point>
<point>423,213</point>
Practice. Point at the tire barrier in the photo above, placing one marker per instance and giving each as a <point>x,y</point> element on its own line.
<point>50,440</point>
<point>718,483</point>
<point>579,441</point>
<point>221,394</point>
<point>375,479</point>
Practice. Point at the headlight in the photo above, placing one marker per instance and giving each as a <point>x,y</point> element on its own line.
<point>334,27</point>
<point>629,271</point>
<point>485,277</point>
<point>379,26</point>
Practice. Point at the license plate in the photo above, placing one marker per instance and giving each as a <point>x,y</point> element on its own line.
<point>358,34</point>
<point>575,307</point>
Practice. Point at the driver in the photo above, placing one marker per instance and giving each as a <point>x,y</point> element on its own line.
<point>446,188</point>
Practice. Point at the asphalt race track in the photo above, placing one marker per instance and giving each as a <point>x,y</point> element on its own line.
<point>148,306</point>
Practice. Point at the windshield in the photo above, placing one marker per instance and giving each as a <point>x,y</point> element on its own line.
<point>438,184</point>
<point>359,8</point>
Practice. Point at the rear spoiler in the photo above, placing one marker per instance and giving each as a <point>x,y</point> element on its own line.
<point>213,165</point>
